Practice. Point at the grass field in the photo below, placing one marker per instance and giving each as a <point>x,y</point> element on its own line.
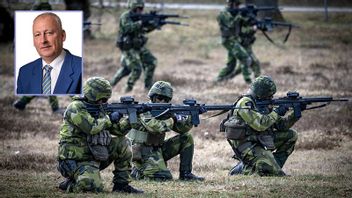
<point>316,61</point>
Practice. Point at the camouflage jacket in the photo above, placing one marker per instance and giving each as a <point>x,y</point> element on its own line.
<point>235,28</point>
<point>133,31</point>
<point>260,122</point>
<point>78,124</point>
<point>149,128</point>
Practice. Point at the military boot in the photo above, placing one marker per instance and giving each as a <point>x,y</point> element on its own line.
<point>19,104</point>
<point>189,176</point>
<point>125,188</point>
<point>64,185</point>
<point>237,169</point>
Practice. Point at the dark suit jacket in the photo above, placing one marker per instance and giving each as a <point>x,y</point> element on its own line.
<point>69,81</point>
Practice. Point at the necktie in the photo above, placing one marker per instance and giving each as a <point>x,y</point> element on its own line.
<point>46,85</point>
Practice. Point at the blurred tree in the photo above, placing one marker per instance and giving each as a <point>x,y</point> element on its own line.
<point>276,14</point>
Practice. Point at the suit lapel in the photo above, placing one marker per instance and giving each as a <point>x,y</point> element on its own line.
<point>64,80</point>
<point>37,74</point>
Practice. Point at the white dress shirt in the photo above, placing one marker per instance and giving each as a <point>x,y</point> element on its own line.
<point>56,64</point>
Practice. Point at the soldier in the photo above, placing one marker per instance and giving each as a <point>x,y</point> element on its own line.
<point>151,151</point>
<point>237,33</point>
<point>131,40</point>
<point>262,139</point>
<point>86,146</point>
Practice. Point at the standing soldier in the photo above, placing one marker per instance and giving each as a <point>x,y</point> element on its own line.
<point>86,146</point>
<point>237,35</point>
<point>261,138</point>
<point>131,40</point>
<point>151,151</point>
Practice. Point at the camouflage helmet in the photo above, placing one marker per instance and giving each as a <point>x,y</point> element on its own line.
<point>96,88</point>
<point>133,4</point>
<point>233,1</point>
<point>161,88</point>
<point>263,87</point>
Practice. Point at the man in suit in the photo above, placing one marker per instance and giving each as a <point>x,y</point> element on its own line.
<point>57,71</point>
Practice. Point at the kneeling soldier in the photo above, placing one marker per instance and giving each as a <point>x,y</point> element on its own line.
<point>151,151</point>
<point>261,138</point>
<point>86,146</point>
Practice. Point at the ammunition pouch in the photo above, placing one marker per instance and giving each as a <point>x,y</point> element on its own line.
<point>127,42</point>
<point>67,168</point>
<point>267,141</point>
<point>155,139</point>
<point>136,152</point>
<point>146,138</point>
<point>235,129</point>
<point>247,40</point>
<point>99,152</point>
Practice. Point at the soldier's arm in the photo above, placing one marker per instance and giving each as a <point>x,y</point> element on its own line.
<point>78,116</point>
<point>256,120</point>
<point>121,128</point>
<point>287,122</point>
<point>152,125</point>
<point>128,26</point>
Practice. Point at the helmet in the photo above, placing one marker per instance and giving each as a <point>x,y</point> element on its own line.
<point>233,1</point>
<point>263,87</point>
<point>161,88</point>
<point>96,88</point>
<point>133,4</point>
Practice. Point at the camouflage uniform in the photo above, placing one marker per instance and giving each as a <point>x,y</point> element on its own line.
<point>261,138</point>
<point>79,159</point>
<point>42,5</point>
<point>151,152</point>
<point>234,29</point>
<point>135,57</point>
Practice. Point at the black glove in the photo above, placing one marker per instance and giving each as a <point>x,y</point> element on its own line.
<point>303,106</point>
<point>115,117</point>
<point>281,110</point>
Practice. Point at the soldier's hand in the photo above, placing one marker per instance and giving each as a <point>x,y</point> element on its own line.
<point>115,117</point>
<point>281,110</point>
<point>202,109</point>
<point>303,106</point>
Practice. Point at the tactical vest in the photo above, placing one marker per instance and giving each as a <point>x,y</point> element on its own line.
<point>236,128</point>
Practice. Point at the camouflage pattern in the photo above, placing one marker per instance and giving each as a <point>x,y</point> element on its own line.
<point>96,88</point>
<point>161,88</point>
<point>138,58</point>
<point>263,87</point>
<point>73,146</point>
<point>235,30</point>
<point>153,162</point>
<point>257,158</point>
<point>53,101</point>
<point>42,5</point>
<point>133,4</point>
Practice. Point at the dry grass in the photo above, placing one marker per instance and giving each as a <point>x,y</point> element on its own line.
<point>315,61</point>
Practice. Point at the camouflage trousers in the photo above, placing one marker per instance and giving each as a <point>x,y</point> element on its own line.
<point>85,175</point>
<point>133,62</point>
<point>247,62</point>
<point>153,164</point>
<point>258,160</point>
<point>53,101</point>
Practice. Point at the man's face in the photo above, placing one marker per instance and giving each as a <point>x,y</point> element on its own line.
<point>48,37</point>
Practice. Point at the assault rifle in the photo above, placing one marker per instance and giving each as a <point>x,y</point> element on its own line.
<point>267,24</point>
<point>158,19</point>
<point>298,103</point>
<point>250,10</point>
<point>128,106</point>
